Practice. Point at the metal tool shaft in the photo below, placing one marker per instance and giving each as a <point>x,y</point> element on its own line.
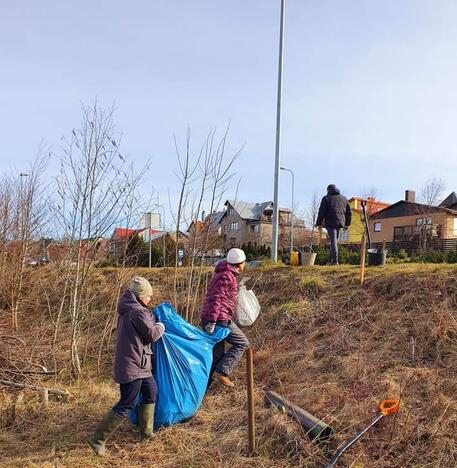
<point>350,442</point>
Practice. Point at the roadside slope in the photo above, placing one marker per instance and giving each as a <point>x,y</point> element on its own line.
<point>325,343</point>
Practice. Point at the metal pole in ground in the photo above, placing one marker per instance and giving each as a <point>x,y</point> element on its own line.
<point>275,233</point>
<point>293,205</point>
<point>150,248</point>
<point>250,391</point>
<point>362,258</point>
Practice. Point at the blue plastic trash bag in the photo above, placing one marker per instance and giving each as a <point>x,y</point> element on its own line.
<point>183,359</point>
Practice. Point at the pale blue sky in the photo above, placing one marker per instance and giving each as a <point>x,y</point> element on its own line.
<point>369,87</point>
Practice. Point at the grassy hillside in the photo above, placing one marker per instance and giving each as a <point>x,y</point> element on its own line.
<point>324,342</point>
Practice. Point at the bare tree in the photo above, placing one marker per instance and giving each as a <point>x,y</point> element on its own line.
<point>96,189</point>
<point>432,191</point>
<point>185,176</point>
<point>22,216</point>
<point>220,175</point>
<point>313,211</point>
<point>203,180</point>
<point>370,192</point>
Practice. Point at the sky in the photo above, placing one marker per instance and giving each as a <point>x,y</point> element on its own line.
<point>369,97</point>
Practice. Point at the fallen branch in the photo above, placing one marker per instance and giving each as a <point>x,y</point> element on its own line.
<point>10,337</point>
<point>55,372</point>
<point>53,391</point>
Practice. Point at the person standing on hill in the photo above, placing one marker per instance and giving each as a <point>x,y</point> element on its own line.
<point>136,330</point>
<point>334,214</point>
<point>218,309</point>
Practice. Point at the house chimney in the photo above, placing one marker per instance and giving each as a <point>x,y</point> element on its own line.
<point>203,215</point>
<point>410,196</point>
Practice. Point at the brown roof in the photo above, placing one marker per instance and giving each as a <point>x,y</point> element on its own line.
<point>404,208</point>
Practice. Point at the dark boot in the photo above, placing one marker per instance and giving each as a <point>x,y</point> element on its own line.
<point>146,420</point>
<point>106,428</point>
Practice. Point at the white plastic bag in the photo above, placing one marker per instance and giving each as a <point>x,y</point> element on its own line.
<point>247,308</point>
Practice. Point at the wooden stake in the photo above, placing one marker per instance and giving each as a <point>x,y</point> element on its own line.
<point>250,391</point>
<point>362,258</point>
<point>44,395</point>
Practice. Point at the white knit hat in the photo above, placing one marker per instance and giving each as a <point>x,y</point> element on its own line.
<point>140,287</point>
<point>236,256</point>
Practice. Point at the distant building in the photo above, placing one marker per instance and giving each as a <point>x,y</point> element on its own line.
<point>121,238</point>
<point>353,235</point>
<point>409,221</point>
<point>244,223</point>
<point>204,237</point>
<point>151,221</point>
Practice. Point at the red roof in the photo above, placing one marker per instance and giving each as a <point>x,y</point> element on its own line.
<point>372,205</point>
<point>125,233</point>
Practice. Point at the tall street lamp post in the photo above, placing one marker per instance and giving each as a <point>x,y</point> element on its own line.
<point>274,244</point>
<point>293,206</point>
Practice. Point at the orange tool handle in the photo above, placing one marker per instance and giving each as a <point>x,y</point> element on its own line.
<point>389,406</point>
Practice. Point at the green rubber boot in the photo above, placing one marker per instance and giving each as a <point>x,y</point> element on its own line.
<point>106,428</point>
<point>146,420</point>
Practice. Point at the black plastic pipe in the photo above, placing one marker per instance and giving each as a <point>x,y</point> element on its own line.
<point>317,430</point>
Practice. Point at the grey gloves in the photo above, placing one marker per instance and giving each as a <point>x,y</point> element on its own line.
<point>210,327</point>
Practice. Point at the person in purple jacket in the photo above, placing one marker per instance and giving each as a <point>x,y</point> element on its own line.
<point>218,309</point>
<point>136,330</point>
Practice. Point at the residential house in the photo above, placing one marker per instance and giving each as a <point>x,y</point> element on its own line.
<point>353,235</point>
<point>53,251</point>
<point>162,240</point>
<point>205,236</point>
<point>121,238</point>
<point>244,222</point>
<point>450,202</point>
<point>406,224</point>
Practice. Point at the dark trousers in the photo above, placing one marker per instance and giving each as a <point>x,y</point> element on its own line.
<point>129,394</point>
<point>224,362</point>
<point>333,235</point>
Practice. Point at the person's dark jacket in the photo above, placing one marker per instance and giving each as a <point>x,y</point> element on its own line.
<point>136,330</point>
<point>334,211</point>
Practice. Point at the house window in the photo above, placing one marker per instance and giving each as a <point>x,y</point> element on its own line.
<point>455,226</point>
<point>377,227</point>
<point>424,221</point>
<point>234,226</point>
<point>403,233</point>
<point>398,233</point>
<point>254,228</point>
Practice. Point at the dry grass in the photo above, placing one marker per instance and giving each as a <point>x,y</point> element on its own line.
<point>328,345</point>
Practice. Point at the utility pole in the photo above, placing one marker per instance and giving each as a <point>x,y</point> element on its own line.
<point>293,206</point>
<point>275,233</point>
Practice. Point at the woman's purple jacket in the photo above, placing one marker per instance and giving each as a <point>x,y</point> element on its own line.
<point>136,330</point>
<point>220,300</point>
